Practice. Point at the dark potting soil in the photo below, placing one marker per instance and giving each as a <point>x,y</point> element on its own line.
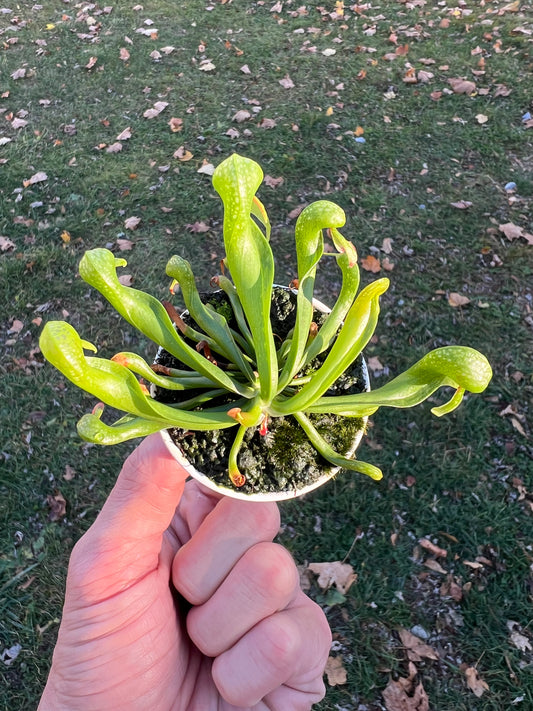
<point>283,459</point>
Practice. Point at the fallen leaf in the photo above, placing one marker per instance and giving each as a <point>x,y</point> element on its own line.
<point>6,244</point>
<point>267,123</point>
<point>57,505</point>
<point>124,54</point>
<point>424,76</point>
<point>39,177</point>
<point>462,86</point>
<point>482,118</point>
<point>19,73</point>
<point>245,69</point>
<point>371,264</point>
<point>335,671</point>
<point>155,110</point>
<point>232,133</point>
<point>461,204</point>
<point>206,168</point>
<point>114,147</point>
<point>124,135</point>
<point>131,223</point>
<point>386,245</point>
<point>198,227</point>
<point>286,82</point>
<point>182,154</point>
<point>69,474</point>
<point>241,115</point>
<point>92,61</point>
<point>450,588</point>
<point>416,649</point>
<point>435,566</point>
<point>329,52</point>
<point>16,327</point>
<point>206,65</point>
<point>125,245</point>
<point>387,265</point>
<point>126,279</point>
<point>521,642</point>
<point>404,694</point>
<point>66,236</point>
<point>455,299</point>
<point>474,682</point>
<point>341,575</point>
<point>432,548</point>
<point>273,182</point>
<point>512,231</point>
<point>501,90</point>
<point>176,124</point>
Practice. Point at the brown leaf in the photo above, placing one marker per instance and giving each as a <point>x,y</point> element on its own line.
<point>404,695</point>
<point>125,245</point>
<point>416,649</point>
<point>57,506</point>
<point>206,168</point>
<point>126,279</point>
<point>474,682</point>
<point>432,548</point>
<point>198,227</point>
<point>19,73</point>
<point>114,147</point>
<point>386,245</point>
<point>39,177</point>
<point>512,231</point>
<point>387,265</point>
<point>461,204</point>
<point>335,671</point>
<point>435,566</point>
<point>182,154</point>
<point>70,473</point>
<point>155,110</point>
<point>455,299</point>
<point>124,135</point>
<point>267,123</point>
<point>245,69</point>
<point>273,182</point>
<point>124,54</point>
<point>6,244</point>
<point>450,588</point>
<point>16,327</point>
<point>176,124</point>
<point>462,86</point>
<point>341,575</point>
<point>501,90</point>
<point>286,82</point>
<point>374,364</point>
<point>241,115</point>
<point>92,61</point>
<point>371,264</point>
<point>131,223</point>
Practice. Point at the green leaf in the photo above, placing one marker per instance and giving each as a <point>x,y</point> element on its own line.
<point>309,249</point>
<point>114,384</point>
<point>147,314</point>
<point>91,429</point>
<point>357,330</point>
<point>249,259</point>
<point>213,323</point>
<point>459,367</point>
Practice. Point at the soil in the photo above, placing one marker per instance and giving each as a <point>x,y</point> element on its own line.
<point>283,459</point>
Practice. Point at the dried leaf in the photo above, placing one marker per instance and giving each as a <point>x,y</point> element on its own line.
<point>126,279</point>
<point>432,548</point>
<point>286,82</point>
<point>241,115</point>
<point>206,168</point>
<point>461,204</point>
<point>114,147</point>
<point>57,506</point>
<point>198,227</point>
<point>455,299</point>
<point>435,566</point>
<point>462,86</point>
<point>267,123</point>
<point>341,575</point>
<point>124,135</point>
<point>182,154</point>
<point>335,671</point>
<point>482,118</point>
<point>156,109</point>
<point>245,69</point>
<point>273,182</point>
<point>206,65</point>
<point>512,231</point>
<point>70,473</point>
<point>6,244</point>
<point>520,641</point>
<point>39,177</point>
<point>176,124</point>
<point>124,244</point>
<point>416,649</point>
<point>474,682</point>
<point>92,61</point>
<point>386,245</point>
<point>19,73</point>
<point>371,264</point>
<point>131,223</point>
<point>404,695</point>
<point>16,327</point>
<point>374,364</point>
<point>124,54</point>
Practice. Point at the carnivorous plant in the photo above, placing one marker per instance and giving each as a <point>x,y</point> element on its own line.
<point>259,377</point>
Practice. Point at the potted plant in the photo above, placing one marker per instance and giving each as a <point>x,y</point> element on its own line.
<point>252,369</point>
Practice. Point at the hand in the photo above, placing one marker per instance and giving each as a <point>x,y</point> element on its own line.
<point>191,608</point>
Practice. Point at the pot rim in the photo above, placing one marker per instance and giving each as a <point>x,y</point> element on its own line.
<point>285,495</point>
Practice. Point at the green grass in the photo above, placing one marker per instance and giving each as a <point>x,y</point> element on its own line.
<point>421,153</point>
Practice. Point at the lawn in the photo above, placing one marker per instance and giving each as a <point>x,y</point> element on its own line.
<point>414,117</point>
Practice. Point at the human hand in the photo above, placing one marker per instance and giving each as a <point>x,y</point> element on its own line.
<point>252,639</point>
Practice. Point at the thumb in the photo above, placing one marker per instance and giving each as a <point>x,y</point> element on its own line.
<point>143,501</point>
